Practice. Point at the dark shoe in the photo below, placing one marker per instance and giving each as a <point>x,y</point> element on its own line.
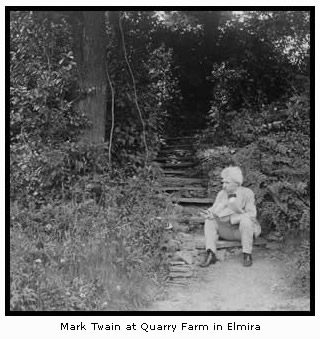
<point>210,259</point>
<point>247,259</point>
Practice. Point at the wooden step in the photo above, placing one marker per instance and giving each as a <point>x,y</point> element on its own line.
<point>186,132</point>
<point>179,146</point>
<point>179,165</point>
<point>176,151</point>
<point>176,172</point>
<point>180,138</point>
<point>200,245</point>
<point>183,181</point>
<point>179,175</point>
<point>184,188</point>
<point>175,158</point>
<point>194,200</point>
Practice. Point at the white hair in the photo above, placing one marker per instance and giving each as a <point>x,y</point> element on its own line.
<point>233,173</point>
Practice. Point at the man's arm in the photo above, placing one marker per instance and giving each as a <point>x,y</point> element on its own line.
<point>219,204</point>
<point>250,206</point>
<point>216,208</point>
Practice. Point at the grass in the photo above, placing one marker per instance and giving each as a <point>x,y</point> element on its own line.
<point>84,256</point>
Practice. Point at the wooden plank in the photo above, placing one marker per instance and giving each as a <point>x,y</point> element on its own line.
<point>195,200</point>
<point>174,171</point>
<point>178,146</point>
<point>181,274</point>
<point>229,244</point>
<point>179,138</point>
<point>183,188</point>
<point>181,268</point>
<point>185,180</point>
<point>179,165</point>
<point>174,151</point>
<point>177,263</point>
<point>174,158</point>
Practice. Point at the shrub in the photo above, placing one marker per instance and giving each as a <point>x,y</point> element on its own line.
<point>275,159</point>
<point>282,193</point>
<point>84,255</point>
<point>41,174</point>
<point>298,268</point>
<point>42,71</point>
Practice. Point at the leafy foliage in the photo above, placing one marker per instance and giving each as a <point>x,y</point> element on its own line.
<point>82,255</point>
<point>83,234</point>
<point>83,237</point>
<point>298,269</point>
<point>261,106</point>
<point>42,71</point>
<point>260,120</point>
<point>261,67</point>
<point>155,84</point>
<point>44,174</point>
<point>278,176</point>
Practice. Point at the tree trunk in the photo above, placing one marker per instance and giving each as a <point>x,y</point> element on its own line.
<point>89,33</point>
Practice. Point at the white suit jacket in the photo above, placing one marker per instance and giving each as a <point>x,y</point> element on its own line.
<point>244,200</point>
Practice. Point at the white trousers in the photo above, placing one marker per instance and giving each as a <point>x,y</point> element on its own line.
<point>243,231</point>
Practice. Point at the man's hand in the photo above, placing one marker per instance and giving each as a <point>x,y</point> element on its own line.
<point>233,206</point>
<point>206,214</point>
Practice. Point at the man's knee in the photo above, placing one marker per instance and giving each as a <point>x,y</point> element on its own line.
<point>245,221</point>
<point>211,223</point>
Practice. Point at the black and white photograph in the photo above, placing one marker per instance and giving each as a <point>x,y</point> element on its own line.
<point>160,162</point>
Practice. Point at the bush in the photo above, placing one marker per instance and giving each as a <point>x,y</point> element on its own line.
<point>282,193</point>
<point>40,174</point>
<point>275,159</point>
<point>298,267</point>
<point>42,73</point>
<point>87,256</point>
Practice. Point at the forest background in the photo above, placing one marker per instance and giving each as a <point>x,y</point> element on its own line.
<point>93,97</point>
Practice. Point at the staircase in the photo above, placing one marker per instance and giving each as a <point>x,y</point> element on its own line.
<point>182,176</point>
<point>188,188</point>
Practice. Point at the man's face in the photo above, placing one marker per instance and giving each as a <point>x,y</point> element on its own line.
<point>229,185</point>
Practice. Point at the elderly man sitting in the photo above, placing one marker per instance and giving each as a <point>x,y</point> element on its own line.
<point>232,217</point>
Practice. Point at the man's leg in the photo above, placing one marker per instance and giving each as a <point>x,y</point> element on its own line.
<point>211,234</point>
<point>246,229</point>
<point>211,237</point>
<point>243,231</point>
<point>212,230</point>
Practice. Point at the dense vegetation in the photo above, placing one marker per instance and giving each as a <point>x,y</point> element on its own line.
<point>84,232</point>
<point>260,121</point>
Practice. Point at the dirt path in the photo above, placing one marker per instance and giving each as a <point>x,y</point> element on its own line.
<point>228,286</point>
